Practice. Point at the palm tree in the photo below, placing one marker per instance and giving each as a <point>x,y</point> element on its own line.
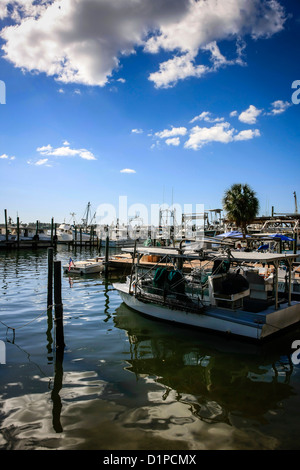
<point>241,205</point>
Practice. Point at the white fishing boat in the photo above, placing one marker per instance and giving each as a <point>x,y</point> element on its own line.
<point>68,233</point>
<point>226,294</point>
<point>89,266</point>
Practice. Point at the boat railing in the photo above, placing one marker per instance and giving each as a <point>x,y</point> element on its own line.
<point>169,298</point>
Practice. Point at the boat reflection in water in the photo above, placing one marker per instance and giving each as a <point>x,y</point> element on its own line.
<point>221,380</point>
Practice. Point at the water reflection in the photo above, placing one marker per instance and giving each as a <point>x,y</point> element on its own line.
<point>58,383</point>
<point>219,379</point>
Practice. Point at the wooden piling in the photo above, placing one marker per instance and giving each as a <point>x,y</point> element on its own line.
<point>58,307</point>
<point>6,227</point>
<point>50,278</point>
<point>52,227</point>
<point>18,231</point>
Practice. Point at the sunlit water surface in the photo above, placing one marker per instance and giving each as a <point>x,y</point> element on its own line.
<point>127,382</point>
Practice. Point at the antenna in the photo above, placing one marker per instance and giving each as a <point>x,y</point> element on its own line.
<point>296,207</point>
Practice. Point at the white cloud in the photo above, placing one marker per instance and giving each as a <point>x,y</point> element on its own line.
<point>42,161</point>
<point>249,116</point>
<point>66,151</point>
<point>233,113</point>
<point>173,141</point>
<point>175,131</point>
<point>247,134</point>
<point>127,170</point>
<point>199,29</point>
<point>83,41</point>
<point>206,116</point>
<point>279,107</point>
<point>178,68</point>
<point>200,136</point>
<point>4,156</point>
<point>137,131</point>
<point>220,132</point>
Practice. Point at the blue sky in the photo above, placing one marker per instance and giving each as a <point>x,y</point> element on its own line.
<point>161,102</point>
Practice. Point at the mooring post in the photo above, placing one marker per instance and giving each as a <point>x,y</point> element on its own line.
<point>18,232</point>
<point>58,307</point>
<point>52,227</point>
<point>6,227</point>
<point>106,256</point>
<point>50,278</point>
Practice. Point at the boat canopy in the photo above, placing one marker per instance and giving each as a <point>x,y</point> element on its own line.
<point>233,234</point>
<point>239,256</point>
<point>255,257</point>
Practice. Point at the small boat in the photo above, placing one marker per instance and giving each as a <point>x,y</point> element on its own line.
<point>226,294</point>
<point>89,266</point>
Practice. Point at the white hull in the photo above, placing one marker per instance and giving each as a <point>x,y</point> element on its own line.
<point>245,324</point>
<point>84,267</point>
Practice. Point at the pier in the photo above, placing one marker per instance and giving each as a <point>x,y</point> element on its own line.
<point>39,235</point>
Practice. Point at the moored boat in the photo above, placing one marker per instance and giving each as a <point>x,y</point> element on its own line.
<point>89,266</point>
<point>226,294</point>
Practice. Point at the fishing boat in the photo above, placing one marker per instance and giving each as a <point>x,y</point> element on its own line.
<point>68,233</point>
<point>225,293</point>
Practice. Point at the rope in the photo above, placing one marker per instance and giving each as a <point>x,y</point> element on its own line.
<point>31,321</point>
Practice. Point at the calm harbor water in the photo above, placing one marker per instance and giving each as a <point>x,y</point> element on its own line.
<point>131,383</point>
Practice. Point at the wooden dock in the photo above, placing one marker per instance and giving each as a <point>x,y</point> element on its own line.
<point>33,244</point>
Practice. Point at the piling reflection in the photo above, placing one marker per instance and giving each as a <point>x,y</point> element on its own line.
<point>219,379</point>
<point>58,383</point>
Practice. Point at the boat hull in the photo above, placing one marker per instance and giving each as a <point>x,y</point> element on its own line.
<point>84,267</point>
<point>238,323</point>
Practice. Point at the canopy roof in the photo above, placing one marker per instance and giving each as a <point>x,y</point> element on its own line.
<point>233,234</point>
<point>239,256</point>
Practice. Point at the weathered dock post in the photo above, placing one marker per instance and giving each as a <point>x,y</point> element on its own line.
<point>6,227</point>
<point>295,242</point>
<point>50,278</point>
<point>106,257</point>
<point>80,236</point>
<point>52,227</point>
<point>58,307</point>
<point>18,232</point>
<point>91,236</point>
